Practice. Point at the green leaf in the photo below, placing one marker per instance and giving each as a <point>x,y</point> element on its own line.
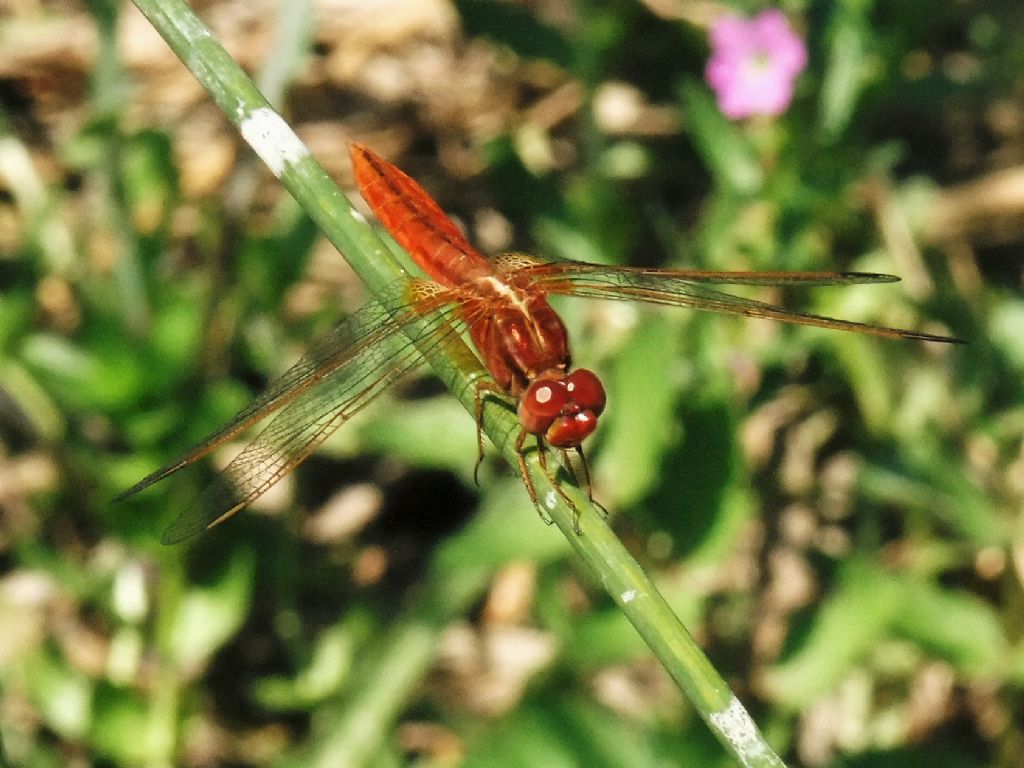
<point>506,528</point>
<point>99,377</point>
<point>526,737</point>
<point>124,729</point>
<point>858,614</point>
<point>638,425</point>
<point>701,469</point>
<point>936,488</point>
<point>33,411</point>
<point>16,311</point>
<point>847,64</point>
<point>150,180</point>
<point>516,27</point>
<point>959,627</point>
<point>729,155</point>
<point>208,616</point>
<point>62,694</point>
<point>1005,319</point>
<point>601,638</point>
<point>176,334</point>
<point>329,666</point>
<point>435,433</point>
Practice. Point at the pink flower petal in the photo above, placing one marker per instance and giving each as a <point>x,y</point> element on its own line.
<point>754,63</point>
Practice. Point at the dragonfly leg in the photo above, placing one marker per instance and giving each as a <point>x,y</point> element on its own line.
<point>590,486</point>
<point>483,388</point>
<point>525,472</point>
<point>542,455</point>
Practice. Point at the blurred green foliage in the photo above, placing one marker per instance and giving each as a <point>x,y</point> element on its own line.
<point>837,518</point>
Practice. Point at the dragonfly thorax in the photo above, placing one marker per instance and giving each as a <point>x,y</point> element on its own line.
<point>518,334</point>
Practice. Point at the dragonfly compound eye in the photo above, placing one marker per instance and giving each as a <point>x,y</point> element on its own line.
<point>586,390</point>
<point>571,430</point>
<point>563,410</point>
<point>542,402</point>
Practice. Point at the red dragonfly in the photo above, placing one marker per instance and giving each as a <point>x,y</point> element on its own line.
<point>502,303</point>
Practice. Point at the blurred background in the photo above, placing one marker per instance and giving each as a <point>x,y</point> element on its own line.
<point>836,518</point>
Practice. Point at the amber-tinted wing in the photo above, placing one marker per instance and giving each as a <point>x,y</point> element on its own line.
<point>692,288</point>
<point>342,373</point>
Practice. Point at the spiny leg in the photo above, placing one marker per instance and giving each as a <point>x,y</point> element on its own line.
<point>570,469</point>
<point>542,455</point>
<point>482,388</point>
<point>590,486</point>
<point>527,480</point>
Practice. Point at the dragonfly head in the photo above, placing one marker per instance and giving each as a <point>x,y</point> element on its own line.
<point>562,409</point>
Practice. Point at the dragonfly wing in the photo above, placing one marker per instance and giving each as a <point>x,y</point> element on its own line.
<point>365,327</point>
<point>693,288</point>
<point>342,373</point>
<point>549,270</point>
<point>295,432</point>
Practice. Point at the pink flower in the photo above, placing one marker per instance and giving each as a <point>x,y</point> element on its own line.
<point>754,63</point>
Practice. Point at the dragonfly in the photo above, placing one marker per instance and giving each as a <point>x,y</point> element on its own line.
<point>501,303</point>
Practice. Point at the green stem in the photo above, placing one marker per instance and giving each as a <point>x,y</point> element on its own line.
<point>459,368</point>
<point>385,684</point>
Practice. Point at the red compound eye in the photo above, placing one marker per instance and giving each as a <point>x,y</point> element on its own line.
<point>565,410</point>
<point>541,403</point>
<point>586,390</point>
<point>569,431</point>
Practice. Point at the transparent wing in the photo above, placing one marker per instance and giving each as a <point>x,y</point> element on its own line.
<point>343,372</point>
<point>693,288</point>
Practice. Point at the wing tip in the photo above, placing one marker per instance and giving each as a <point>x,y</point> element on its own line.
<point>171,536</point>
<point>186,526</point>
<point>871,277</point>
<point>150,479</point>
<point>937,338</point>
<point>183,529</point>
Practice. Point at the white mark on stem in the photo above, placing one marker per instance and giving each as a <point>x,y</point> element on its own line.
<point>550,499</point>
<point>736,725</point>
<point>272,139</point>
<point>629,596</point>
<point>358,216</point>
